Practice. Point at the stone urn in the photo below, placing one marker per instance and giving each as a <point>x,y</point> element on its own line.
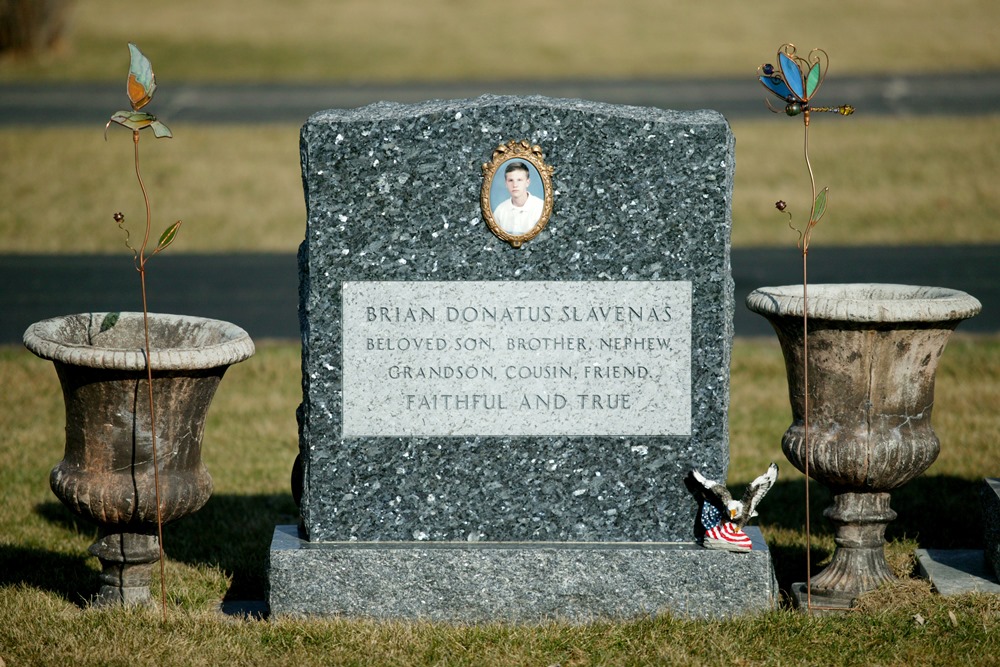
<point>873,355</point>
<point>107,472</point>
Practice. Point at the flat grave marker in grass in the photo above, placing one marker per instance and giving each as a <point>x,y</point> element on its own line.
<point>991,522</point>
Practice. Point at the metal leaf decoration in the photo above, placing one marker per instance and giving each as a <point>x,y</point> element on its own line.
<point>167,237</point>
<point>110,320</point>
<point>819,207</point>
<point>137,120</point>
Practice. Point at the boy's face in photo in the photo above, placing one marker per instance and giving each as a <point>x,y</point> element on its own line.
<point>517,184</point>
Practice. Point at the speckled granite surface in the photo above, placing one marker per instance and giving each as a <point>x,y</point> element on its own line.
<point>516,582</point>
<point>393,194</point>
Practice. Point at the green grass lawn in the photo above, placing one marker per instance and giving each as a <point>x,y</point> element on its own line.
<point>250,442</point>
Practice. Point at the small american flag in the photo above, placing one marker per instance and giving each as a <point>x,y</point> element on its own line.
<point>710,515</point>
<point>727,536</point>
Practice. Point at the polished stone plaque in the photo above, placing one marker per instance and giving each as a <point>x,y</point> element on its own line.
<point>516,358</point>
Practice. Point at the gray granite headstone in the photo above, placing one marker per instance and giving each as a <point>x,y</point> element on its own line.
<point>512,423</point>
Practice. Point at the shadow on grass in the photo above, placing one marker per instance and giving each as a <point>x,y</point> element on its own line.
<point>56,514</point>
<point>231,532</point>
<point>68,576</point>
<point>74,577</point>
<point>939,512</point>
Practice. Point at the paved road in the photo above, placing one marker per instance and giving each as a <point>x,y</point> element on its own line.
<point>260,291</point>
<point>92,104</point>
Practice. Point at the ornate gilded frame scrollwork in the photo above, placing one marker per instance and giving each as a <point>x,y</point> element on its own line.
<point>522,151</point>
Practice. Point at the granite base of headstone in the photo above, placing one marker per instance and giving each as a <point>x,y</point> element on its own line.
<point>516,581</point>
<point>991,523</point>
<point>497,423</point>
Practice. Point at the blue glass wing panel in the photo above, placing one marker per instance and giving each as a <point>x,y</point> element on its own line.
<point>777,86</point>
<point>793,76</point>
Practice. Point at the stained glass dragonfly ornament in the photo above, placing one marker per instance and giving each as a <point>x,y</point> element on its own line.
<point>140,86</point>
<point>796,79</point>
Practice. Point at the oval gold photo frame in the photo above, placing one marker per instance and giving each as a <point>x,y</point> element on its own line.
<point>505,159</point>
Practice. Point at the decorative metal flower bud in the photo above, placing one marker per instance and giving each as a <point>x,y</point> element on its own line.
<point>780,205</point>
<point>119,216</point>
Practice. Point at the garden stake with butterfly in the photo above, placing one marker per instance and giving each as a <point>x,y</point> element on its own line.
<point>796,80</point>
<point>141,85</point>
<point>128,469</point>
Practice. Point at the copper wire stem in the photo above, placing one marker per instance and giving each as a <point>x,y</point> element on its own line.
<point>805,359</point>
<point>141,266</point>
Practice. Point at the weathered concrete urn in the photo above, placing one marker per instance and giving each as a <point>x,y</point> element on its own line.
<point>873,355</point>
<point>107,473</point>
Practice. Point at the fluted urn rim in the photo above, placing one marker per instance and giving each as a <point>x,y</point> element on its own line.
<point>866,302</point>
<point>178,342</point>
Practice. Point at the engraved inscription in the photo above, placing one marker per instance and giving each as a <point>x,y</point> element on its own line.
<point>516,358</point>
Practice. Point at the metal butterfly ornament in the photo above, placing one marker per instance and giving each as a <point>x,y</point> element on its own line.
<point>140,87</point>
<point>796,79</point>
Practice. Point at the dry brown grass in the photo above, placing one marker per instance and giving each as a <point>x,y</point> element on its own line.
<point>239,188</point>
<point>235,188</point>
<point>902,594</point>
<point>891,181</point>
<point>393,40</point>
<point>965,412</point>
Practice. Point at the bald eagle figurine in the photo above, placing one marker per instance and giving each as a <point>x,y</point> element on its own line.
<point>723,517</point>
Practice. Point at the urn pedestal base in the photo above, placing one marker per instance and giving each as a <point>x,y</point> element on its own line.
<point>127,561</point>
<point>859,563</point>
<point>820,604</point>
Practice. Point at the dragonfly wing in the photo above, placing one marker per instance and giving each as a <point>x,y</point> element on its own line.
<point>813,80</point>
<point>777,86</point>
<point>793,76</point>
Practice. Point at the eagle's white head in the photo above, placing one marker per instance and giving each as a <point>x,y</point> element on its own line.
<point>735,508</point>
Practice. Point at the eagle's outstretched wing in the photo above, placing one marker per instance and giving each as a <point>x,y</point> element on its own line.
<point>756,490</point>
<point>714,489</point>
